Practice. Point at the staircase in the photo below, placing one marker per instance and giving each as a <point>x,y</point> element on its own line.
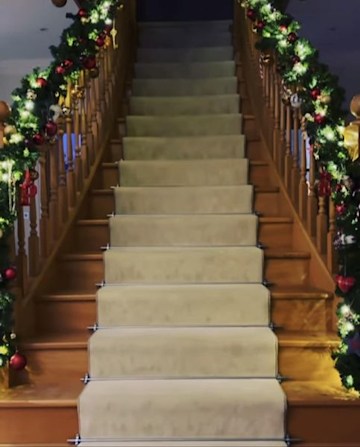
<point>183,332</point>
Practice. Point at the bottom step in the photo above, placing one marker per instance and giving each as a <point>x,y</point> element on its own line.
<point>225,443</point>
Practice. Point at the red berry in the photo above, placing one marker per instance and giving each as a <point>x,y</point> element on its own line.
<point>260,25</point>
<point>41,82</point>
<point>60,70</point>
<point>315,93</point>
<point>251,14</point>
<point>319,119</point>
<point>82,13</point>
<point>38,139</point>
<point>10,273</point>
<point>292,37</point>
<point>18,362</point>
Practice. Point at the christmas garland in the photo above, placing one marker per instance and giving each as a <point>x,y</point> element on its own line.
<point>308,84</point>
<point>32,123</point>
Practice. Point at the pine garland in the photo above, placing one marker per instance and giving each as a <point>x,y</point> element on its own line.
<point>320,99</point>
<point>32,123</point>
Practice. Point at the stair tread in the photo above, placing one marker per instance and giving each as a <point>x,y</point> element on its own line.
<point>175,443</point>
<point>264,189</point>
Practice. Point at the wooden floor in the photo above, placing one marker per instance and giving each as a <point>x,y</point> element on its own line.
<point>41,411</point>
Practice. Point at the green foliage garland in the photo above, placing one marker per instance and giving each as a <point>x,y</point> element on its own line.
<point>339,176</point>
<point>31,124</point>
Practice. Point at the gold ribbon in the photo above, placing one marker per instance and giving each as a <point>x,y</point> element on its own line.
<point>351,140</point>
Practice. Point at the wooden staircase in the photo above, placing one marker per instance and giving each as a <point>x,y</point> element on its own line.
<point>42,410</point>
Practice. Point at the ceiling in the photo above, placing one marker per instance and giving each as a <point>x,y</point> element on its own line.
<point>331,25</point>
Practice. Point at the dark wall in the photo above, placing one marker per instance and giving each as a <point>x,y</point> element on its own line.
<point>184,10</point>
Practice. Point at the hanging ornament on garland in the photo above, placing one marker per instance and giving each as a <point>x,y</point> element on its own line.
<point>9,273</point>
<point>324,185</point>
<point>345,283</point>
<point>50,129</point>
<point>28,189</point>
<point>18,362</point>
<point>251,14</point>
<point>315,93</point>
<point>292,37</point>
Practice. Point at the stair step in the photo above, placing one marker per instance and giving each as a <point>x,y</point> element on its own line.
<point>183,352</point>
<point>268,201</point>
<point>182,408</point>
<point>173,126</point>
<point>185,87</point>
<point>175,38</point>
<point>183,265</point>
<point>184,172</point>
<point>184,200</point>
<point>91,234</point>
<point>185,105</point>
<point>183,304</point>
<point>179,148</point>
<point>205,54</point>
<point>190,26</point>
<point>184,70</point>
<point>185,230</point>
<point>224,443</point>
<point>259,171</point>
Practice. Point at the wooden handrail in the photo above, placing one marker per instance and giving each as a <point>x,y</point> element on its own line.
<point>68,163</point>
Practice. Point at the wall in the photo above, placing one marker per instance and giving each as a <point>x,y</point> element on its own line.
<point>183,10</point>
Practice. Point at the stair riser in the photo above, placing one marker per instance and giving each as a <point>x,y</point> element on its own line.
<point>176,39</point>
<point>259,175</point>
<point>193,87</point>
<point>89,238</point>
<point>267,204</point>
<point>184,106</point>
<point>58,317</point>
<point>40,425</point>
<point>185,55</point>
<point>56,366</point>
<point>176,71</point>
<point>83,275</point>
<point>183,353</point>
<point>300,315</point>
<point>287,272</point>
<point>184,126</point>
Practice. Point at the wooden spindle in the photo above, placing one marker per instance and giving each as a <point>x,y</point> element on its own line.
<point>54,227</point>
<point>312,205</point>
<point>303,187</point>
<point>62,189</point>
<point>34,240</point>
<point>330,250</point>
<point>287,161</point>
<point>295,171</point>
<point>70,173</point>
<point>44,208</point>
<point>321,225</point>
<point>21,258</point>
<point>77,135</point>
<point>276,136</point>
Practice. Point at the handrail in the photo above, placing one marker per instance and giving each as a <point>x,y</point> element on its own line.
<point>63,159</point>
<point>298,105</point>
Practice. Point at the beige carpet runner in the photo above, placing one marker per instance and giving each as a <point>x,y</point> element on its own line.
<point>184,355</point>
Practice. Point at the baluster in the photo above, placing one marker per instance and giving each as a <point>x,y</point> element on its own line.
<point>44,209</point>
<point>330,250</point>
<point>102,83</point>
<point>276,138</point>
<point>303,187</point>
<point>95,114</point>
<point>21,258</point>
<point>70,173</point>
<point>321,225</point>
<point>312,205</point>
<point>62,189</point>
<point>83,127</point>
<point>78,159</point>
<point>34,240</point>
<point>53,195</point>
<point>295,159</point>
<point>90,116</point>
<point>287,173</point>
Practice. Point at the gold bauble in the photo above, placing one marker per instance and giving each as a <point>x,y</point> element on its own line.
<point>355,106</point>
<point>4,111</point>
<point>9,130</point>
<point>59,3</point>
<point>325,99</point>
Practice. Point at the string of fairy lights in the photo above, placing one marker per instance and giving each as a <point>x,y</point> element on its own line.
<point>320,98</point>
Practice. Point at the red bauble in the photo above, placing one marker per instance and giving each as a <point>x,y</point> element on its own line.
<point>68,63</point>
<point>50,128</point>
<point>90,62</point>
<point>108,29</point>
<point>82,13</point>
<point>319,119</point>
<point>345,283</point>
<point>10,273</point>
<point>38,139</point>
<point>41,82</point>
<point>251,14</point>
<point>292,37</point>
<point>295,59</point>
<point>260,25</point>
<point>18,361</point>
<point>315,93</point>
<point>100,41</point>
<point>60,70</point>
<point>283,28</point>
<point>340,209</point>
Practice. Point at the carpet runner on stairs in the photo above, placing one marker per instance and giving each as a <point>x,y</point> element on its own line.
<point>184,355</point>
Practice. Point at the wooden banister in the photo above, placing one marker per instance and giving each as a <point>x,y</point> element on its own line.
<point>68,162</point>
